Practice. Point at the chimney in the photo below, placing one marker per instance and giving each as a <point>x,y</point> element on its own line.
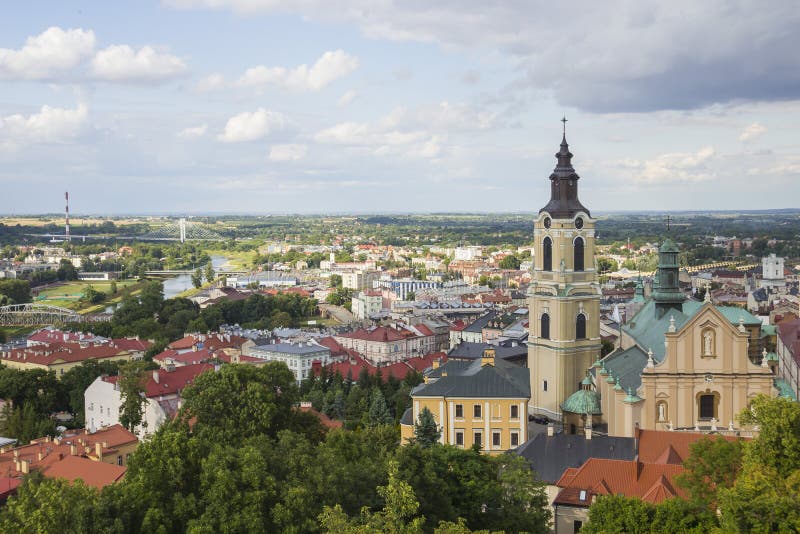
<point>636,435</point>
<point>435,363</point>
<point>155,376</point>
<point>488,357</point>
<point>98,450</point>
<point>551,431</point>
<point>25,465</point>
<point>73,449</point>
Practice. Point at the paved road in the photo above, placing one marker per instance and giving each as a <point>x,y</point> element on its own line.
<point>337,312</point>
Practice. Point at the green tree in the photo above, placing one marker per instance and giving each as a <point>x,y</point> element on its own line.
<point>67,271</point>
<point>619,514</point>
<point>511,261</point>
<point>606,265</point>
<point>378,411</point>
<point>50,505</point>
<point>209,272</point>
<point>132,380</point>
<point>426,432</point>
<point>713,464</point>
<point>197,278</point>
<point>336,280</point>
<point>17,291</point>
<point>396,517</point>
<point>778,442</point>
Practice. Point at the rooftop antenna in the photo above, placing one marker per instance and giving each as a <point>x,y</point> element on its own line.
<point>66,225</point>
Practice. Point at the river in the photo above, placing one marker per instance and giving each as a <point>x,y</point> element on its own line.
<point>178,284</point>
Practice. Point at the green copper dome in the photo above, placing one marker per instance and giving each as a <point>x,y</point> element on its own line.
<point>583,401</point>
<point>668,246</point>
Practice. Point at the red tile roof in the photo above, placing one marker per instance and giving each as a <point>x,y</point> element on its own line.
<point>96,474</point>
<point>661,446</point>
<point>381,333</point>
<point>648,481</point>
<point>169,382</point>
<point>334,346</point>
<point>63,353</point>
<point>47,455</point>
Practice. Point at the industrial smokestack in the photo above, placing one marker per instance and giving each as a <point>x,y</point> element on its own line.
<point>66,226</point>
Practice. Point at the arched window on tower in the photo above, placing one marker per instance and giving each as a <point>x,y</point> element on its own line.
<point>545,326</point>
<point>580,326</point>
<point>547,254</point>
<point>578,258</point>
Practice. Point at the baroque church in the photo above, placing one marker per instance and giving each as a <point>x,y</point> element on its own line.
<point>682,364</point>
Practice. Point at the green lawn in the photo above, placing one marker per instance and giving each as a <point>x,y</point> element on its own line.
<point>68,294</point>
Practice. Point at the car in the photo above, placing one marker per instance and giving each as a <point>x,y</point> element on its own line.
<point>539,419</point>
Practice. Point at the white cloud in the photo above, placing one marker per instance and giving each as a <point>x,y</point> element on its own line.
<point>753,131</point>
<point>193,132</point>
<point>386,136</point>
<point>687,54</point>
<point>121,63</point>
<point>347,98</point>
<point>250,126</point>
<point>51,52</point>
<point>289,152</point>
<point>329,67</point>
<point>672,167</point>
<point>50,125</point>
<point>212,82</point>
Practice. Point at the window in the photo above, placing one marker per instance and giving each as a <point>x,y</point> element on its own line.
<point>476,411</point>
<point>119,460</point>
<point>514,411</point>
<point>459,411</point>
<point>477,439</point>
<point>515,439</point>
<point>459,438</point>
<point>495,439</point>
<point>707,407</point>
<point>578,254</point>
<point>544,385</point>
<point>580,326</point>
<point>545,326</point>
<point>547,254</point>
<point>576,526</point>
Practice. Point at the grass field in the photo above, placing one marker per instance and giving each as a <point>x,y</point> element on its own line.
<point>236,260</point>
<point>59,220</point>
<point>68,294</point>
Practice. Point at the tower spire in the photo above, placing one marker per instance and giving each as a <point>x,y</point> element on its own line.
<point>564,201</point>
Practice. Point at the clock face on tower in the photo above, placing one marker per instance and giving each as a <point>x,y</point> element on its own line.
<point>579,223</point>
<point>547,222</point>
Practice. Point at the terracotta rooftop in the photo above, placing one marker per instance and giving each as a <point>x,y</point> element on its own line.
<point>96,474</point>
<point>77,448</point>
<point>63,353</point>
<point>661,446</point>
<point>165,382</point>
<point>650,482</point>
<point>208,341</point>
<point>381,333</point>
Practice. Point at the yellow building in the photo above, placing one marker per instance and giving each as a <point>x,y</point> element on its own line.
<point>60,358</point>
<point>483,402</point>
<point>683,364</point>
<point>564,294</point>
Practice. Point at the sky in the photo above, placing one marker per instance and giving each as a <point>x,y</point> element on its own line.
<point>341,106</point>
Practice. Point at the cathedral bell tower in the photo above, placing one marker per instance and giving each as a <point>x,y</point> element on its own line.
<point>564,295</point>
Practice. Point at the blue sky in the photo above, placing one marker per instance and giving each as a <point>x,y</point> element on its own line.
<point>276,106</point>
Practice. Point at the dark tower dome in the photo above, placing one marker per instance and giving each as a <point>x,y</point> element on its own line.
<point>564,203</point>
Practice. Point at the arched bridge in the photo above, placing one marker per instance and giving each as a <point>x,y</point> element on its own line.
<point>43,314</point>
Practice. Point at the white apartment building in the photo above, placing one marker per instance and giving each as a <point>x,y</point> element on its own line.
<point>299,357</point>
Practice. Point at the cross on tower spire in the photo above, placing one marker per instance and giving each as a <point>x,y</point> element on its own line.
<point>668,219</point>
<point>564,122</point>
